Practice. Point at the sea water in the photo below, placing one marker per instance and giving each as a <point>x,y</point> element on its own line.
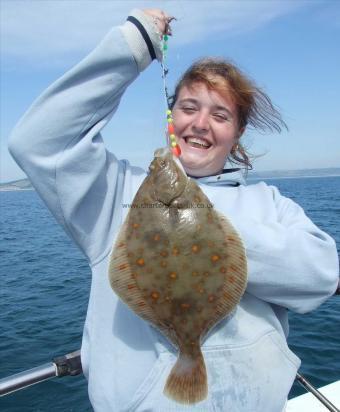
<point>44,290</point>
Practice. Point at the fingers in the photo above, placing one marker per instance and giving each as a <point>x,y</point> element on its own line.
<point>167,28</point>
<point>161,20</point>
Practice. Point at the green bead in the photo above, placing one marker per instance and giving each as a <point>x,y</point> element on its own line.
<point>165,47</point>
<point>165,37</point>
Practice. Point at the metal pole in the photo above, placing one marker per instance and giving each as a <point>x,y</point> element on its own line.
<point>69,364</point>
<point>310,388</point>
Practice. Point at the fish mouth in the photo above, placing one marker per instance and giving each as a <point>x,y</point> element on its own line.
<point>197,142</point>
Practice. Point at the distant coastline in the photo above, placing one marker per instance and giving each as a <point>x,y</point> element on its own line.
<point>292,177</point>
<point>24,184</point>
<point>16,186</point>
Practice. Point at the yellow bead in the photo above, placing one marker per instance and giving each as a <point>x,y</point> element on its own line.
<point>168,112</point>
<point>173,143</point>
<point>169,120</point>
<point>172,137</point>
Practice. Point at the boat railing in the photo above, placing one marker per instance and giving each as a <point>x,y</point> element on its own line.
<point>66,365</point>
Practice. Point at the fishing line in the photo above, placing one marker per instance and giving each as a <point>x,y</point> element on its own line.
<point>171,138</point>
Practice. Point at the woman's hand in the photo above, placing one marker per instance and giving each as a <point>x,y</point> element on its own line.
<point>160,19</point>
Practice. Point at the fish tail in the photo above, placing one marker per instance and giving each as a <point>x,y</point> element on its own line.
<point>187,382</point>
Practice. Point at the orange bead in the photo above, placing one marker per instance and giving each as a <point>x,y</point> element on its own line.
<point>171,128</point>
<point>176,151</point>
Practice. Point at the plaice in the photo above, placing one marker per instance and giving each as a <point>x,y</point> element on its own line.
<point>180,265</point>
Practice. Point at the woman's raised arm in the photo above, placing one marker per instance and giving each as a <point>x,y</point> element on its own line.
<point>58,142</point>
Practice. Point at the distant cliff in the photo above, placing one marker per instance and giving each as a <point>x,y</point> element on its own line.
<point>24,184</point>
<point>279,174</point>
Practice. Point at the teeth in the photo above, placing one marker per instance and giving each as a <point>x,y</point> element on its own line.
<point>197,142</point>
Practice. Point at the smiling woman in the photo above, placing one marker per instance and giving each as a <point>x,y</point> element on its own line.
<point>291,263</point>
<point>213,103</point>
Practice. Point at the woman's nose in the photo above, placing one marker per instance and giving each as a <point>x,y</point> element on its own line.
<point>201,121</point>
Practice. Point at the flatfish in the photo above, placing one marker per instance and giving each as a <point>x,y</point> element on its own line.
<point>180,265</point>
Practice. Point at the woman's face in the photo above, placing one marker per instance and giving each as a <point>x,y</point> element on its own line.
<point>206,126</point>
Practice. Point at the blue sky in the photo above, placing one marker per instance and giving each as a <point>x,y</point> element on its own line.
<point>290,48</point>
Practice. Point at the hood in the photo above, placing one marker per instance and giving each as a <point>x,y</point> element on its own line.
<point>228,177</point>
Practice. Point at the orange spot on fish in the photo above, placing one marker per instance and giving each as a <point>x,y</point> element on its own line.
<point>185,305</point>
<point>195,248</point>
<point>156,237</point>
<point>164,264</point>
<point>194,273</point>
<point>173,275</point>
<point>155,295</point>
<point>215,258</point>
<point>223,269</point>
<point>135,225</point>
<point>164,253</point>
<point>140,262</point>
<point>211,298</point>
<point>206,274</point>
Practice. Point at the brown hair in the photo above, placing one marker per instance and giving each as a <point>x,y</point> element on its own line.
<point>254,107</point>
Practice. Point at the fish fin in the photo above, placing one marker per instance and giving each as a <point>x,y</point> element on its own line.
<point>236,274</point>
<point>237,266</point>
<point>122,280</point>
<point>187,382</point>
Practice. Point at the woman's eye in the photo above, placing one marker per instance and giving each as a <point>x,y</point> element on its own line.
<point>188,109</point>
<point>221,117</point>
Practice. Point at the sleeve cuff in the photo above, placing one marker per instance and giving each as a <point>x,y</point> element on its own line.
<point>141,49</point>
